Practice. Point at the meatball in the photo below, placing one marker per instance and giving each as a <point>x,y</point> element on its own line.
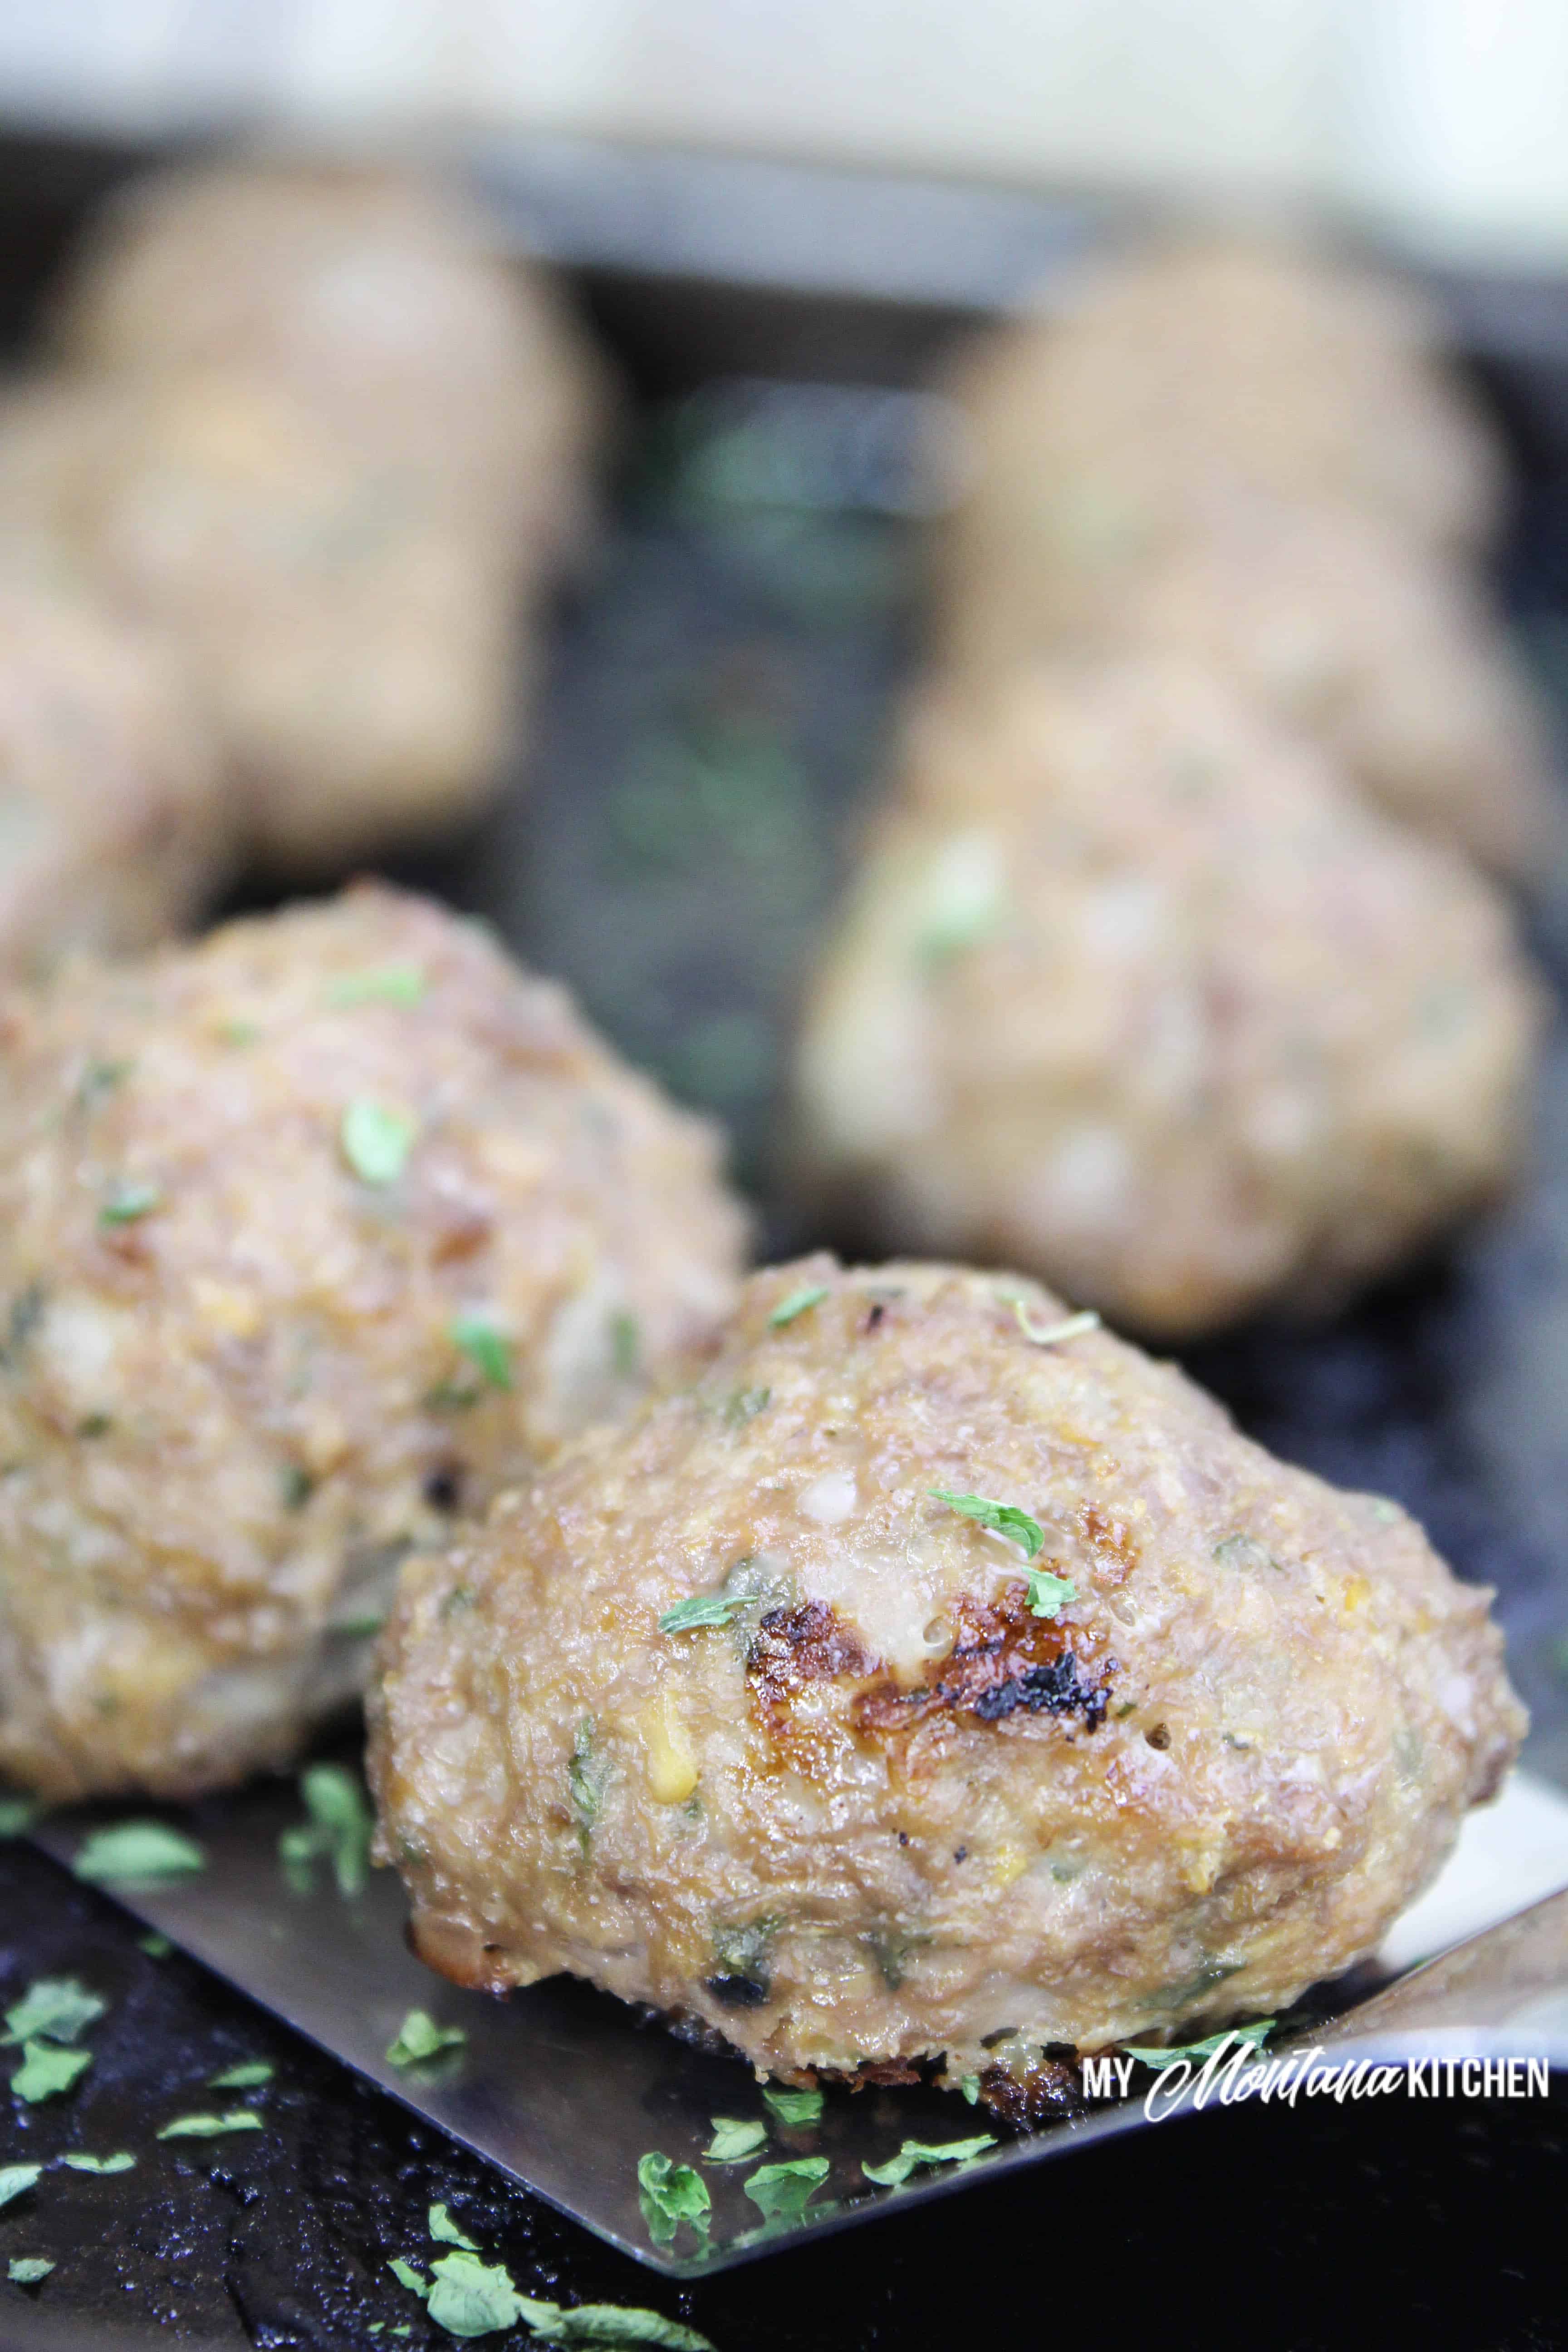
<point>1394,661</point>
<point>1215,366</point>
<point>111,831</point>
<point>308,1235</point>
<point>926,1682</point>
<point>1134,992</point>
<point>336,449</point>
<point>354,635</point>
<point>377,297</point>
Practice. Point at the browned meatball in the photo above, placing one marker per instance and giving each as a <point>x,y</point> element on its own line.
<point>111,829</point>
<point>1132,991</point>
<point>376,297</point>
<point>1215,365</point>
<point>307,1235</point>
<point>1333,621</point>
<point>1181,1732</point>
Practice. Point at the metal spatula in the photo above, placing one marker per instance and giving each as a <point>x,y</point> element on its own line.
<point>566,2090</point>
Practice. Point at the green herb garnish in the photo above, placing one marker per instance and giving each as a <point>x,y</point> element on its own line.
<point>16,2179</point>
<point>407,2275</point>
<point>796,1304</point>
<point>138,1850</point>
<point>484,1346</point>
<point>121,2162</point>
<point>248,2076</point>
<point>795,2106</point>
<point>468,2297</point>
<point>587,1776</point>
<point>626,1344</point>
<point>1052,1335</point>
<point>375,1141</point>
<point>54,2009</point>
<point>17,1815</point>
<point>671,2194</point>
<point>915,2152</point>
<point>1252,2037</point>
<point>1049,1594</point>
<point>969,2087</point>
<point>27,2270</point>
<point>783,2191</point>
<point>1005,1518</point>
<point>338,1827</point>
<point>445,2231</point>
<point>744,1405</point>
<point>129,1201</point>
<point>701,1609</point>
<point>156,1946</point>
<point>598,2326</point>
<point>734,2138</point>
<point>46,2070</point>
<point>294,1486</point>
<point>392,983</point>
<point>237,2119</point>
<point>419,2038</point>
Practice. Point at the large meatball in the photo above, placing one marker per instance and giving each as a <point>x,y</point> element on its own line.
<point>308,1234</point>
<point>1134,992</point>
<point>110,828</point>
<point>1391,659</point>
<point>1215,366</point>
<point>375,296</point>
<point>921,1684</point>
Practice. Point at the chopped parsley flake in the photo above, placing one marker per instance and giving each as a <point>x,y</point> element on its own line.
<point>294,1486</point>
<point>392,983</point>
<point>587,1775</point>
<point>1049,1594</point>
<point>121,2162</point>
<point>744,1405</point>
<point>626,1344</point>
<point>485,1346</point>
<point>17,1815</point>
<point>46,2070</point>
<point>407,2275</point>
<point>969,2087</point>
<point>1052,1335</point>
<point>783,2191</point>
<point>734,2138</point>
<point>339,1828</point>
<point>1249,2036</point>
<point>419,2038</point>
<point>671,2194</point>
<point>129,1201</point>
<point>915,2152</point>
<point>1004,1518</point>
<point>445,2231</point>
<point>16,2179</point>
<point>156,1946</point>
<point>795,2106</point>
<point>55,2009</point>
<point>798,1303</point>
<point>235,2119</point>
<point>375,1141</point>
<point>701,1609</point>
<point>248,2076</point>
<point>599,2325</point>
<point>27,2270</point>
<point>468,2297</point>
<point>138,1850</point>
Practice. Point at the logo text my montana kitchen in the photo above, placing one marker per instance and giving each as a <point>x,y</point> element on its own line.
<point>1237,2073</point>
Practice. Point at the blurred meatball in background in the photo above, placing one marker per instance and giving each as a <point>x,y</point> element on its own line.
<point>1134,992</point>
<point>114,829</point>
<point>309,1235</point>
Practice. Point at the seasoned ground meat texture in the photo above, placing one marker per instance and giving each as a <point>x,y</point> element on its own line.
<point>1181,1736</point>
<point>1335,625</point>
<point>309,1235</point>
<point>1131,991</point>
<point>112,832</point>
<point>1210,366</point>
<point>337,448</point>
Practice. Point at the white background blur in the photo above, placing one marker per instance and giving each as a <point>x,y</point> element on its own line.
<point>1445,121</point>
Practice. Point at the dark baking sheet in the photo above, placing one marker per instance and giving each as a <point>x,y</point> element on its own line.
<point>720,683</point>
